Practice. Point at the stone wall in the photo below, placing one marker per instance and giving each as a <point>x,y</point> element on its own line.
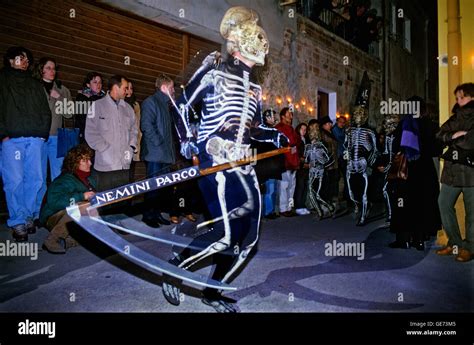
<point>315,58</point>
<point>303,56</point>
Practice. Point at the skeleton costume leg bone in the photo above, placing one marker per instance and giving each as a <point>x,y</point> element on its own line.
<point>362,151</point>
<point>389,124</point>
<point>240,211</point>
<point>238,233</point>
<point>358,168</point>
<point>318,157</point>
<point>313,194</point>
<point>319,204</point>
<point>387,199</point>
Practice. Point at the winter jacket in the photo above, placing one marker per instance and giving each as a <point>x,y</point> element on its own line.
<point>84,101</point>
<point>111,131</point>
<point>59,107</point>
<point>63,191</point>
<point>268,168</point>
<point>340,135</point>
<point>457,174</point>
<point>292,159</point>
<point>24,109</point>
<point>156,125</point>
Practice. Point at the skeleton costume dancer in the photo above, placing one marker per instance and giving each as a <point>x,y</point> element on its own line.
<point>390,123</point>
<point>361,149</point>
<point>316,154</point>
<point>231,116</point>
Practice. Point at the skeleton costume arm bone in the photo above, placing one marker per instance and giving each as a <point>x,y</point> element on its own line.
<point>325,158</point>
<point>374,153</point>
<point>194,92</point>
<point>345,154</point>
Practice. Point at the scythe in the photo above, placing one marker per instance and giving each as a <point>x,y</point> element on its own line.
<point>87,216</point>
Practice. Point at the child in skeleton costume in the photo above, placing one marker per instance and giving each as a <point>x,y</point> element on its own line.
<point>231,116</point>
<point>361,149</point>
<point>316,154</point>
<point>389,124</point>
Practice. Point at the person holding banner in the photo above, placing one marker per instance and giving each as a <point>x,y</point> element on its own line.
<point>231,116</point>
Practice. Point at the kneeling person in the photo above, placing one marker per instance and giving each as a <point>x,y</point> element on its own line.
<point>74,185</point>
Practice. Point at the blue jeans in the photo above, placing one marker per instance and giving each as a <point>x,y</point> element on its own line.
<point>51,152</point>
<point>269,198</point>
<point>23,178</point>
<point>446,201</point>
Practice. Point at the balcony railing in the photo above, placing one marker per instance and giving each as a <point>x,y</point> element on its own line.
<point>333,21</point>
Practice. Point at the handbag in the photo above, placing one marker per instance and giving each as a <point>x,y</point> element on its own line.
<point>399,168</point>
<point>67,139</point>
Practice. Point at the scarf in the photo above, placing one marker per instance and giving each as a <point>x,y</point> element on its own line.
<point>48,85</point>
<point>88,92</point>
<point>83,176</point>
<point>410,138</point>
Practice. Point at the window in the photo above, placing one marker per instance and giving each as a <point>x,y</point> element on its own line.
<point>407,34</point>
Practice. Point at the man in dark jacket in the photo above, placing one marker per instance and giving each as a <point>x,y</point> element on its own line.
<point>157,146</point>
<point>458,174</point>
<point>25,120</point>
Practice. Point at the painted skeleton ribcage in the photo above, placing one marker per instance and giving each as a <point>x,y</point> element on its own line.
<point>317,156</point>
<point>361,146</point>
<point>228,115</point>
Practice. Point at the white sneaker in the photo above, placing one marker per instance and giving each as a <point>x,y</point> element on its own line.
<point>302,211</point>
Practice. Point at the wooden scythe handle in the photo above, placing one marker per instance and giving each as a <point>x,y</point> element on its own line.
<point>83,206</point>
<point>214,169</point>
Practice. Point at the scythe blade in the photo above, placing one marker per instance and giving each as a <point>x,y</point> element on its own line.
<point>133,253</point>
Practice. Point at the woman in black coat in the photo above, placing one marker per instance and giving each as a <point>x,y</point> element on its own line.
<point>415,214</point>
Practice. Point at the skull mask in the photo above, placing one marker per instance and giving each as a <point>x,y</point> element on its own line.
<point>313,133</point>
<point>253,43</point>
<point>360,115</point>
<point>390,123</point>
<point>239,27</point>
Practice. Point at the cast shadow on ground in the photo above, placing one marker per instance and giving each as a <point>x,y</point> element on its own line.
<point>378,258</point>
